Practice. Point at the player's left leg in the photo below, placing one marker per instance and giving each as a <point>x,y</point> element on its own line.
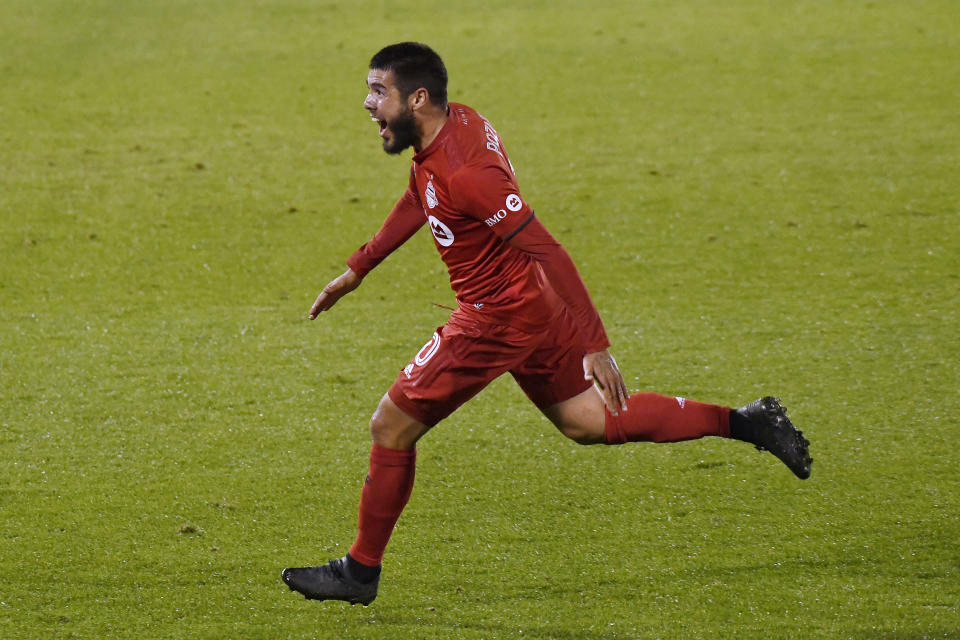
<point>386,491</point>
<point>651,417</point>
<point>552,378</point>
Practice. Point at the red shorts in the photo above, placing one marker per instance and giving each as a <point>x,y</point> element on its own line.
<point>465,355</point>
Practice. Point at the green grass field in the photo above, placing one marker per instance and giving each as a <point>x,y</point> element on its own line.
<point>762,197</point>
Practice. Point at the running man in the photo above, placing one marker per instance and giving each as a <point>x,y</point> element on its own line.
<point>522,309</point>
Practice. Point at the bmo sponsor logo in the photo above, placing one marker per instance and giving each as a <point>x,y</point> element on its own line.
<point>440,231</point>
<point>495,218</point>
<point>514,203</point>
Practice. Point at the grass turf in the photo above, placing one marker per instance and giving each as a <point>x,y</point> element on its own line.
<point>761,196</point>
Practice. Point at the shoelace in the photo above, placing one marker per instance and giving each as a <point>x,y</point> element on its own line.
<point>336,568</point>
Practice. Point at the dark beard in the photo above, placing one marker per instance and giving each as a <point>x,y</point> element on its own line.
<point>404,130</point>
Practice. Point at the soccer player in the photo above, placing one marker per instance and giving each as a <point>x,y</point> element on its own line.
<point>522,309</point>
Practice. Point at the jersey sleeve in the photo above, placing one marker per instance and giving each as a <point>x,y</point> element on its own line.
<point>402,222</point>
<point>490,194</point>
<point>534,239</point>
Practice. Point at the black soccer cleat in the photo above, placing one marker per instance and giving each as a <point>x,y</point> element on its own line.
<point>331,581</point>
<point>772,431</point>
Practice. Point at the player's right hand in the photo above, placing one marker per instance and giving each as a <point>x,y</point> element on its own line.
<point>602,369</point>
<point>337,288</point>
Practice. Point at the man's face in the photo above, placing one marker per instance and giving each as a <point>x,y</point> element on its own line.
<point>391,111</point>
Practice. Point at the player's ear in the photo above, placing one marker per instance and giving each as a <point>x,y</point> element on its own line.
<point>418,99</point>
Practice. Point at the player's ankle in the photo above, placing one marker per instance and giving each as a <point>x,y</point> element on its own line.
<point>363,573</point>
<point>741,428</point>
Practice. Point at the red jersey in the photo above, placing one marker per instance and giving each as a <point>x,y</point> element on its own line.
<point>504,266</point>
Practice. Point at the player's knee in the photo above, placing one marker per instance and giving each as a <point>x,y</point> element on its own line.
<point>582,418</point>
<point>382,430</point>
<point>574,425</point>
<point>580,435</point>
<point>391,428</point>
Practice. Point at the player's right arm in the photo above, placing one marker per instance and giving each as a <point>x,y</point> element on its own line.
<point>337,288</point>
<point>404,220</point>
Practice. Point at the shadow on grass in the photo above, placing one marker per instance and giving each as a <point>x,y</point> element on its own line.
<point>541,623</point>
<point>876,634</point>
<point>500,630</point>
<point>787,565</point>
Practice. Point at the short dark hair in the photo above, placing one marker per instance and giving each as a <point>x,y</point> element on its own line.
<point>414,65</point>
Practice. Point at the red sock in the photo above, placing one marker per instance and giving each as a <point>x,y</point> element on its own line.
<point>651,417</point>
<point>385,494</point>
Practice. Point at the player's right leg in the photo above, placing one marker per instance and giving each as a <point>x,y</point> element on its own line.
<point>460,359</point>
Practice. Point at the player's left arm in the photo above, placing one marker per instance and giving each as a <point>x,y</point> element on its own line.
<point>491,195</point>
<point>598,365</point>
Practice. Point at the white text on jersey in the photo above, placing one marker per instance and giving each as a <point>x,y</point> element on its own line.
<point>493,140</point>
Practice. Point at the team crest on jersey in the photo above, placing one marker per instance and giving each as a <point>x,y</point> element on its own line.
<point>431,195</point>
<point>441,232</point>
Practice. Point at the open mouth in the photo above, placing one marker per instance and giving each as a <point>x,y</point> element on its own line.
<point>382,123</point>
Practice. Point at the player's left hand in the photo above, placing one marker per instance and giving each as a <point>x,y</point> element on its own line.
<point>602,369</point>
